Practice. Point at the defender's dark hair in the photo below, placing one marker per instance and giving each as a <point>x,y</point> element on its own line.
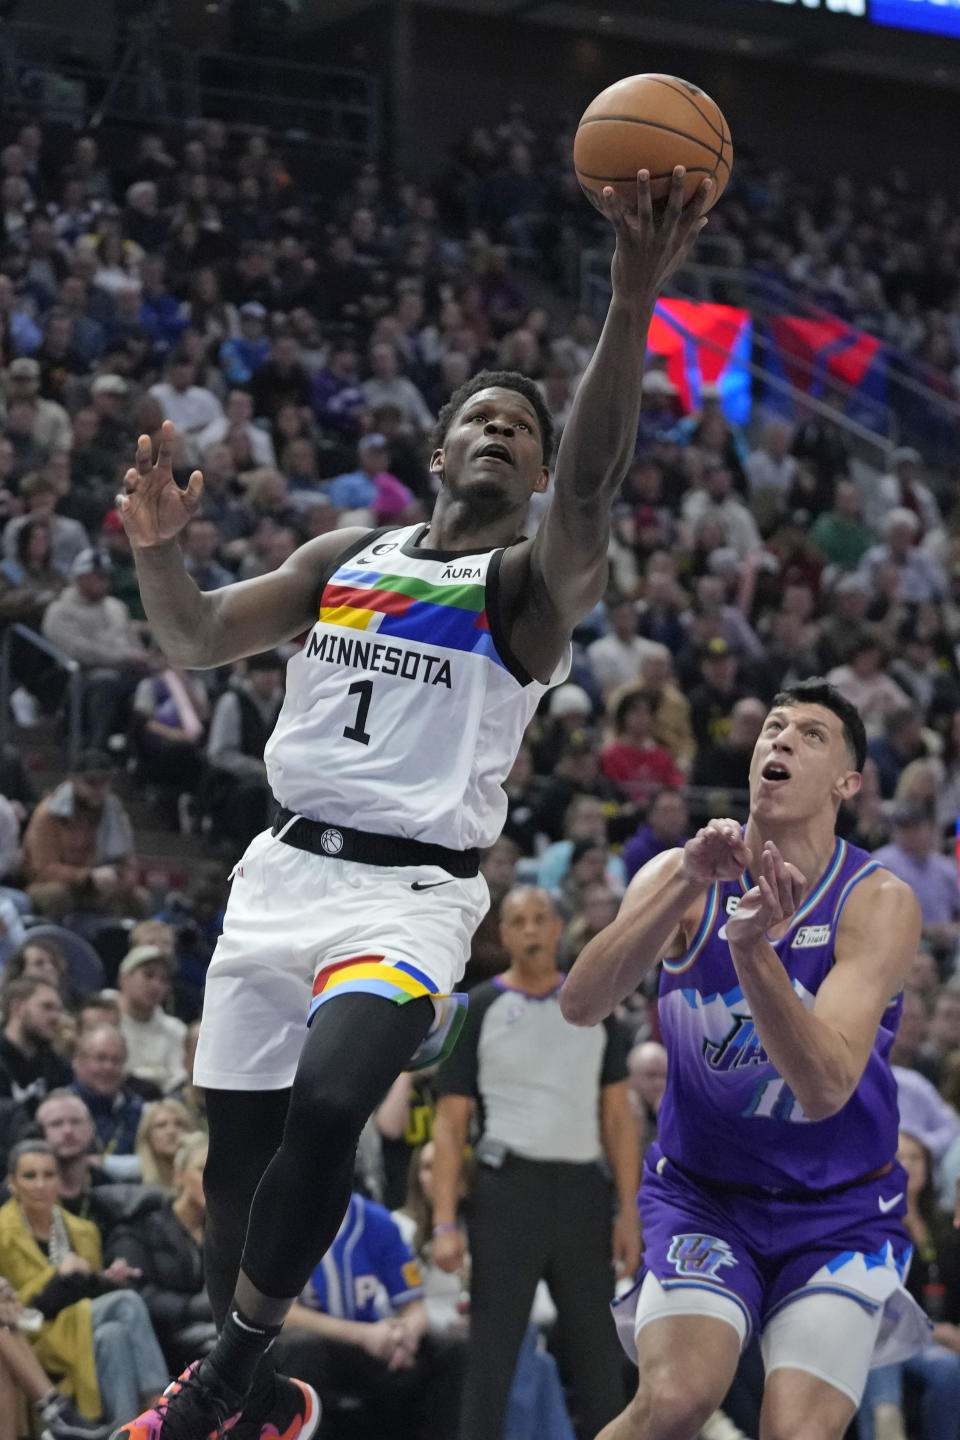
<point>502,380</point>
<point>817,691</point>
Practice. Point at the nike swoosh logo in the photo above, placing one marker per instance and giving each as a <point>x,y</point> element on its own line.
<point>887,1205</point>
<point>430,884</point>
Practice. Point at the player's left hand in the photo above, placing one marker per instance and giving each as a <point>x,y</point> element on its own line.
<point>774,899</point>
<point>649,249</point>
<point>627,1245</point>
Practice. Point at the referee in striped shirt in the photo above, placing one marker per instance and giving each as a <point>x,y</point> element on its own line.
<point>551,1104</point>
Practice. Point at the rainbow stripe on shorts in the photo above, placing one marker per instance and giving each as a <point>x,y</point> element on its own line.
<point>399,982</point>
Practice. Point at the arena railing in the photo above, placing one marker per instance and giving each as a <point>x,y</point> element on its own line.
<point>915,412</point>
<point>871,447</point>
<point>154,82</point>
<point>64,662</point>
<point>918,408</point>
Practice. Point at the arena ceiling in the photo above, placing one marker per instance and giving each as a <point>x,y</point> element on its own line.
<point>826,42</point>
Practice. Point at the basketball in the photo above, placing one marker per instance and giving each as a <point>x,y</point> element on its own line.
<point>652,122</point>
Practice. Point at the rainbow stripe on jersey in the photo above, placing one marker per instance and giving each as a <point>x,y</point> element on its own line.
<point>407,607</point>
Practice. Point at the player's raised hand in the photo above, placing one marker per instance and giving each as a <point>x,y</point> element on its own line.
<point>717,852</point>
<point>152,506</point>
<point>774,899</point>
<point>649,247</point>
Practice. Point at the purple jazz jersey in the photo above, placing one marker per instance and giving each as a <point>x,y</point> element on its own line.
<point>730,1200</point>
<point>727,1115</point>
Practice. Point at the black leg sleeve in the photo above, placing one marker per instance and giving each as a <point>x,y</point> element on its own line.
<point>246,1128</point>
<point>355,1049</point>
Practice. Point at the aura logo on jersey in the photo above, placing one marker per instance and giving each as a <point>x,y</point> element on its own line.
<point>700,1255</point>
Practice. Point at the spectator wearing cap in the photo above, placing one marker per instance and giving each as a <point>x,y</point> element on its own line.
<point>242,354</point>
<point>107,394</point>
<point>371,486</point>
<point>100,1079</point>
<point>913,855</point>
<point>920,575</point>
<point>387,386</point>
<point>903,487</point>
<point>95,629</point>
<point>238,418</point>
<point>719,689</point>
<point>190,406</point>
<point>864,682</point>
<point>68,539</point>
<point>666,826</point>
<point>78,847</point>
<point>50,423</point>
<point>155,1040</point>
<point>235,791</point>
<point>569,708</point>
<point>659,408</point>
<point>715,498</point>
<point>633,760</point>
<point>724,763</point>
<point>772,467</point>
<point>616,658</point>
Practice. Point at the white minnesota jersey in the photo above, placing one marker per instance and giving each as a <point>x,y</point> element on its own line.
<point>405,708</point>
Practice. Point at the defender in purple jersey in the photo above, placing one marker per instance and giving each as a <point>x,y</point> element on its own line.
<point>773,1200</point>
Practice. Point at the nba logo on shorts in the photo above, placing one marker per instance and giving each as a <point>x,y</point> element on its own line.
<point>331,842</point>
<point>700,1255</point>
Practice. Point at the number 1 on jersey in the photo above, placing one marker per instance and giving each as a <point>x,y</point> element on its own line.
<point>357,731</point>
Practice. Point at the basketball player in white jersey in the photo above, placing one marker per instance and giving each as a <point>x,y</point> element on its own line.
<point>428,651</point>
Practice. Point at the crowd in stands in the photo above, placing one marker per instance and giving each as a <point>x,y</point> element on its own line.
<point>303,353</point>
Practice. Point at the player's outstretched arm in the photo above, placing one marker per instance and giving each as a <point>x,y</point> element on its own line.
<point>197,630</point>
<point>570,550</point>
<point>661,910</point>
<point>822,1053</point>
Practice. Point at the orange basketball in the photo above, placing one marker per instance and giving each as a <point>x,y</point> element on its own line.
<point>651,122</point>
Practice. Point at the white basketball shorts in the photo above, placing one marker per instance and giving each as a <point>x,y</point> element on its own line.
<point>301,928</point>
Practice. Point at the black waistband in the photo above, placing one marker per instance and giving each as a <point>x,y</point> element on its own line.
<point>339,842</point>
<point>768,1192</point>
